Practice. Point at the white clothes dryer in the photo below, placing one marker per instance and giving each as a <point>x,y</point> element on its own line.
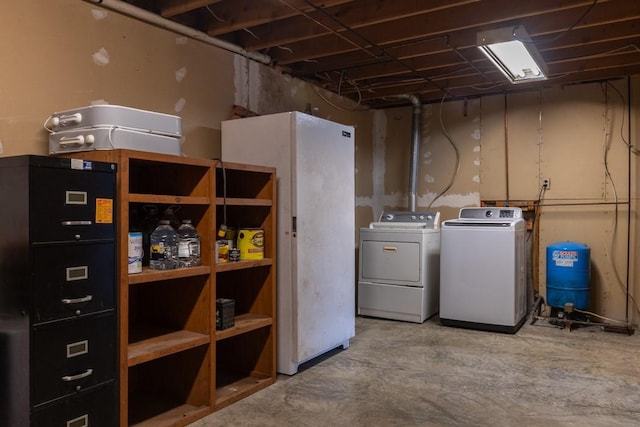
<point>399,266</point>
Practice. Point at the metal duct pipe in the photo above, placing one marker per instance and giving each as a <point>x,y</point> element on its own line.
<point>416,136</point>
<point>157,20</point>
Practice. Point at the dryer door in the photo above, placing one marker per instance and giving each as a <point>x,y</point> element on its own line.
<point>391,262</point>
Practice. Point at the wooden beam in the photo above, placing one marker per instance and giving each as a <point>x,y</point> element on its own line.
<point>356,14</point>
<point>621,36</point>
<point>171,8</point>
<point>240,14</point>
<point>441,22</point>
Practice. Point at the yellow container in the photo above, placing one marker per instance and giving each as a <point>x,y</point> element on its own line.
<point>222,251</point>
<point>251,243</point>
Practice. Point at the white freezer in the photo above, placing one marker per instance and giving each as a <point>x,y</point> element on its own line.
<point>314,161</point>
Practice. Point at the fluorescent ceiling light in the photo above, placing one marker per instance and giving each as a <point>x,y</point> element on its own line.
<point>512,51</point>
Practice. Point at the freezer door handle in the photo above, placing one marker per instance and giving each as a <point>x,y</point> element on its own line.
<point>389,249</point>
<point>294,224</point>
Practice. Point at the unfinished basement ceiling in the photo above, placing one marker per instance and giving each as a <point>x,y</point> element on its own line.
<point>372,51</point>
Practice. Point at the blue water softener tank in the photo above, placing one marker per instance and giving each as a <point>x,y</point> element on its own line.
<point>568,271</point>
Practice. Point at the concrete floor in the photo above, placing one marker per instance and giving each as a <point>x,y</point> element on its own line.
<point>405,374</point>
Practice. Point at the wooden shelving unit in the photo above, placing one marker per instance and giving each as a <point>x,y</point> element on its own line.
<point>246,352</point>
<point>174,366</point>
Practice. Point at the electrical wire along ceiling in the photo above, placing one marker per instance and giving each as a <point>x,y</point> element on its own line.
<point>372,51</point>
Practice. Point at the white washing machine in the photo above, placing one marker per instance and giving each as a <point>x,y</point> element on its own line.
<point>483,270</point>
<point>399,266</point>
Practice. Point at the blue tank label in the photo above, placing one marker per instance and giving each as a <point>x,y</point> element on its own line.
<point>564,258</point>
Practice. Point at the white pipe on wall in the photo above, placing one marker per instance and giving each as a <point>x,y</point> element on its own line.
<point>416,137</point>
<point>152,18</point>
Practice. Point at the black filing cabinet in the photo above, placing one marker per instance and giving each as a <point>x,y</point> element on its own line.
<point>58,327</point>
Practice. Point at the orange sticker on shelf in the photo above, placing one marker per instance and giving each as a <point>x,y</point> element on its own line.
<point>104,211</point>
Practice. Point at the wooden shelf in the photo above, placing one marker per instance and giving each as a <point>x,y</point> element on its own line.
<point>169,200</point>
<point>163,344</point>
<point>148,275</point>
<point>240,265</point>
<point>240,388</point>
<point>162,357</point>
<point>244,323</point>
<point>158,411</point>
<point>246,352</point>
<point>180,415</point>
<point>233,201</point>
<point>168,371</point>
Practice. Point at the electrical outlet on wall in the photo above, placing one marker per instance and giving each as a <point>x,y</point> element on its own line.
<point>546,183</point>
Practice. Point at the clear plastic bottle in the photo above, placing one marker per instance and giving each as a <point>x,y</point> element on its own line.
<point>149,223</point>
<point>188,245</point>
<point>164,247</point>
<point>170,214</point>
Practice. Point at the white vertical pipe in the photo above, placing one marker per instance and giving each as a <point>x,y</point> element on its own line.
<point>416,136</point>
<point>159,21</point>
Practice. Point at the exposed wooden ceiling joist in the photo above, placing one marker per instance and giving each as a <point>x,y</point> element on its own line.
<point>373,50</point>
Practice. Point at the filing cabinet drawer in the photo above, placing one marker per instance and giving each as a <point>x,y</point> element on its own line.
<point>73,279</point>
<point>69,356</point>
<point>69,205</point>
<point>95,407</point>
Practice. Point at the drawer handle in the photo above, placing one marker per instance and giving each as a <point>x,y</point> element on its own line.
<point>77,300</point>
<point>76,223</point>
<point>390,249</point>
<point>85,374</point>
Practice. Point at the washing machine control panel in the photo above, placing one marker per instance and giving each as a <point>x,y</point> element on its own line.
<point>491,213</point>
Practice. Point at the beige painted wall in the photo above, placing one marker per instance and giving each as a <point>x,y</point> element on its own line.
<point>507,145</point>
<point>76,54</point>
<point>572,136</point>
<point>437,164</point>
